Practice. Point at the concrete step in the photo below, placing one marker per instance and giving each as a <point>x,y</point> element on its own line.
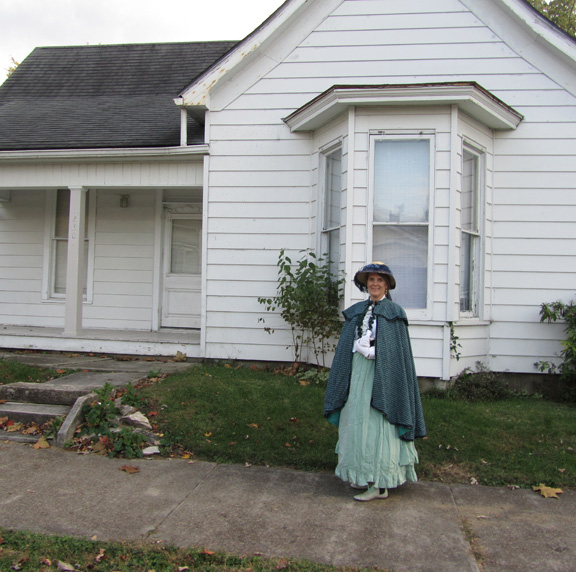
<point>45,393</point>
<point>38,413</point>
<point>64,390</point>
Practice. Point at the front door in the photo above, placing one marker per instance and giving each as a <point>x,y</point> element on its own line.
<point>181,270</point>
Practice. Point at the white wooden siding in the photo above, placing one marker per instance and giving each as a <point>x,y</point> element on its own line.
<point>260,167</point>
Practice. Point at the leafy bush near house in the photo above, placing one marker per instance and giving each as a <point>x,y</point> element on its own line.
<point>308,297</point>
<point>554,312</point>
<point>480,385</point>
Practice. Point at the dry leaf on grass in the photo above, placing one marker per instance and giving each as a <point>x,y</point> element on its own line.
<point>548,492</point>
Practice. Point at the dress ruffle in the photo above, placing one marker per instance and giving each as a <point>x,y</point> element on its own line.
<point>369,447</point>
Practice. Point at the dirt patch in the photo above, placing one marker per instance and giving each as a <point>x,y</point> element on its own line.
<point>448,473</point>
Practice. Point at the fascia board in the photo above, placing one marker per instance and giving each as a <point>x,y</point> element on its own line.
<point>198,93</point>
<point>470,98</point>
<point>125,154</point>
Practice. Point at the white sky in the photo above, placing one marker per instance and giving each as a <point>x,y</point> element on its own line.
<point>26,24</point>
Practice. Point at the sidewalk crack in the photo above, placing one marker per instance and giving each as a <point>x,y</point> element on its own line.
<point>475,547</point>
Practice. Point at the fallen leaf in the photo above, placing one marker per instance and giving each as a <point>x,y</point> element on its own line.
<point>41,443</point>
<point>2,401</point>
<point>180,356</point>
<point>287,445</point>
<point>304,382</point>
<point>31,430</point>
<point>562,470</point>
<point>65,567</point>
<point>253,425</point>
<point>481,516</point>
<point>183,568</point>
<point>282,563</point>
<point>60,371</point>
<point>548,492</point>
<point>208,552</point>
<point>3,420</point>
<point>129,469</point>
<point>186,456</point>
<point>227,365</point>
<point>208,434</point>
<point>100,555</point>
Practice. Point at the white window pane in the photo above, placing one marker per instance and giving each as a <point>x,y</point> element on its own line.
<point>333,190</point>
<point>62,213</point>
<point>186,246</point>
<point>465,273</point>
<point>61,264</point>
<point>405,250</point>
<point>469,192</point>
<point>334,251</point>
<point>402,180</point>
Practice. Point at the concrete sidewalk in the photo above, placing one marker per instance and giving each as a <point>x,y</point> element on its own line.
<point>283,513</point>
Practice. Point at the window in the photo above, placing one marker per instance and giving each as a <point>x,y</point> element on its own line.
<point>401,211</point>
<point>59,248</point>
<point>186,246</point>
<point>331,220</point>
<point>470,243</point>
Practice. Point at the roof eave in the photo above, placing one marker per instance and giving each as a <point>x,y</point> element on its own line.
<point>197,93</point>
<point>113,154</point>
<point>468,96</point>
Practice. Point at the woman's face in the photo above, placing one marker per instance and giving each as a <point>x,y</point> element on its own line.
<point>377,286</point>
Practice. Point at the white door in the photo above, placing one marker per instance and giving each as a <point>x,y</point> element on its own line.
<point>182,270</point>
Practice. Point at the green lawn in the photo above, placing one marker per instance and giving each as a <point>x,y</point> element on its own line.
<point>13,372</point>
<point>30,552</point>
<point>239,415</point>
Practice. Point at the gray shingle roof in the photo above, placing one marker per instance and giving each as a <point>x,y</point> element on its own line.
<point>87,97</point>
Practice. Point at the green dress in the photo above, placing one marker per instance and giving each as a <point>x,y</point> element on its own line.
<point>369,447</point>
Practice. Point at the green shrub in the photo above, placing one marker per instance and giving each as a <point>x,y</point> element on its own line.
<point>480,385</point>
<point>308,297</point>
<point>559,311</point>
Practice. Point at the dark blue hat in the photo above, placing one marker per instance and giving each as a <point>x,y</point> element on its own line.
<point>361,277</point>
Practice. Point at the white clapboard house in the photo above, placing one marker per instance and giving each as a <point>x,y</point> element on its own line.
<point>148,189</point>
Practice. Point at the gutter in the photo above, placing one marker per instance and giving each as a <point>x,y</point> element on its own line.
<point>130,154</point>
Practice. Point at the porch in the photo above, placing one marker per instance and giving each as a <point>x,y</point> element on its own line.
<point>165,342</point>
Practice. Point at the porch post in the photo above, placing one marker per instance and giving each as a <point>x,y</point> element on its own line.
<point>75,262</point>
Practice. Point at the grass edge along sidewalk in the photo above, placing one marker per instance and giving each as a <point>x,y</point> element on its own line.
<point>256,416</point>
<point>30,552</point>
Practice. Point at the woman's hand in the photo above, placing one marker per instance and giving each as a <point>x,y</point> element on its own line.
<point>362,345</point>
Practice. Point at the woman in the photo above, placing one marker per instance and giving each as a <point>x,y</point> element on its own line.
<point>372,394</point>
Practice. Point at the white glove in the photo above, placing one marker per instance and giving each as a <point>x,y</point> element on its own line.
<point>362,346</point>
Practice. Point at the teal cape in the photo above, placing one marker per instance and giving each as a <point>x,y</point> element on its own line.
<point>396,393</point>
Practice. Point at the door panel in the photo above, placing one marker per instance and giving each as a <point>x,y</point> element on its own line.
<point>182,270</point>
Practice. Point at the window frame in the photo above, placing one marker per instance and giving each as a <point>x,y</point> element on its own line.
<point>326,231</point>
<point>477,262</point>
<point>50,240</point>
<point>424,313</point>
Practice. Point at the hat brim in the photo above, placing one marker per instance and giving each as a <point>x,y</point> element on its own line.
<point>362,278</point>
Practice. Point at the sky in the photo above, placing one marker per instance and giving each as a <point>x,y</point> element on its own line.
<point>26,24</point>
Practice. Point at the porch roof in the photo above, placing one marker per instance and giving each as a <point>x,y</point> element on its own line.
<point>112,96</point>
